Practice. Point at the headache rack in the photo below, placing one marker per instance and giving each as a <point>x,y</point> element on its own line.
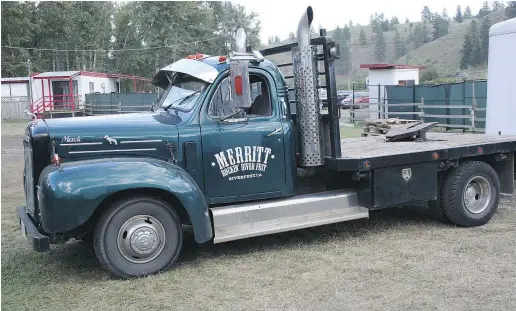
<point>327,52</point>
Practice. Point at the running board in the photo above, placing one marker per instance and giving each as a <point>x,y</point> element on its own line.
<point>247,220</point>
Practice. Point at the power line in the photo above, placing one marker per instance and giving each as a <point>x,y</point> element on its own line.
<point>113,50</point>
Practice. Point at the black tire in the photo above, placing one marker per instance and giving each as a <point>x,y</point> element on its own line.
<point>108,236</point>
<point>455,185</point>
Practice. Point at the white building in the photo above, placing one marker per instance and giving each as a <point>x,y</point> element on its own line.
<point>15,87</point>
<point>381,75</point>
<point>501,79</point>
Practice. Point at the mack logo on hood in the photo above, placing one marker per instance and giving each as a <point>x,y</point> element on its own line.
<point>247,158</point>
<point>68,139</point>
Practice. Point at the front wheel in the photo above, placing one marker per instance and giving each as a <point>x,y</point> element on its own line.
<point>138,236</point>
<point>470,194</point>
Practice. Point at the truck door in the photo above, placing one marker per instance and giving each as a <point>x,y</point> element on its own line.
<point>243,155</point>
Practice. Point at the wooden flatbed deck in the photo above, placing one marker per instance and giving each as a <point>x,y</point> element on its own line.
<point>448,146</point>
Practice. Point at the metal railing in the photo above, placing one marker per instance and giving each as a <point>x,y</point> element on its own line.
<point>56,103</point>
<point>419,112</point>
<point>91,109</point>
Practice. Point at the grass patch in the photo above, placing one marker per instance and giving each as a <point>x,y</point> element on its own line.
<point>350,132</point>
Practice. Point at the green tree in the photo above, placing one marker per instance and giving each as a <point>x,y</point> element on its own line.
<point>444,14</point>
<point>498,5</point>
<point>400,48</point>
<point>346,33</point>
<point>484,39</point>
<point>362,37</point>
<point>510,10</point>
<point>458,16</point>
<point>467,13</point>
<point>380,45</point>
<point>426,14</point>
<point>378,19</point>
<point>338,34</point>
<point>350,23</point>
<point>420,35</point>
<point>466,51</point>
<point>17,29</point>
<point>407,21</point>
<point>394,21</point>
<point>484,10</point>
<point>440,26</point>
<point>475,56</point>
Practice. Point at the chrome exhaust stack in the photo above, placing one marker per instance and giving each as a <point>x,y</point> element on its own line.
<point>304,63</point>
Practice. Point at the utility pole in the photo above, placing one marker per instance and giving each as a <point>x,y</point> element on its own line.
<point>30,82</point>
<point>350,77</point>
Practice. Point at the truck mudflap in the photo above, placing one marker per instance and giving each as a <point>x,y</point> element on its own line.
<point>38,241</point>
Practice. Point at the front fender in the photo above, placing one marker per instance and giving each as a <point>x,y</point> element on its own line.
<point>69,195</point>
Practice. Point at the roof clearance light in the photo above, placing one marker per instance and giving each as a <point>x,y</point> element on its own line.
<point>222,59</point>
<point>239,90</point>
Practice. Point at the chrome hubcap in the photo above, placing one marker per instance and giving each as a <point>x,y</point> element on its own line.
<point>477,194</point>
<point>141,239</point>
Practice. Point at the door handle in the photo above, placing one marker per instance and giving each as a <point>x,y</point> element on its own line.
<point>278,130</point>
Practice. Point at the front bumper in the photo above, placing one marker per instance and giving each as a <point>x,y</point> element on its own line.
<point>39,242</point>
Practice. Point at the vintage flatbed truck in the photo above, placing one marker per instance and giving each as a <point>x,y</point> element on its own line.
<point>229,152</point>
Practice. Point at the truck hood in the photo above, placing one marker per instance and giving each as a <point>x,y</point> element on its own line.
<point>140,134</point>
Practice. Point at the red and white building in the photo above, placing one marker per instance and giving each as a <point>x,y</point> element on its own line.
<point>66,90</point>
<point>63,90</point>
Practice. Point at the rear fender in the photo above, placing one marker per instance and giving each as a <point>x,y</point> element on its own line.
<point>69,195</point>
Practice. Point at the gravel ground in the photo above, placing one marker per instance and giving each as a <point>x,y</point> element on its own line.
<point>398,259</point>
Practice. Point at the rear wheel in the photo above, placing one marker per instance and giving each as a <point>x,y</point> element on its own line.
<point>138,236</point>
<point>470,194</point>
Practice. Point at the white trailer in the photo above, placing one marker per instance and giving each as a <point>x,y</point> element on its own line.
<point>501,79</point>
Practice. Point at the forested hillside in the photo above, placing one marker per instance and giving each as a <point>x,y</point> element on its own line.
<point>449,44</point>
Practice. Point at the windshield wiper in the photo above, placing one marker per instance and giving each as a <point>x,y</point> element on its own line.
<point>182,100</point>
<point>231,115</point>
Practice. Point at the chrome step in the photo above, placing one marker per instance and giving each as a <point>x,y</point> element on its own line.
<point>247,220</point>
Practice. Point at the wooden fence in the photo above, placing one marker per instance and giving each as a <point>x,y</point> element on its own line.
<point>13,108</point>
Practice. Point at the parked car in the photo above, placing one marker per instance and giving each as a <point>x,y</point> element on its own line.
<point>341,95</point>
<point>356,100</point>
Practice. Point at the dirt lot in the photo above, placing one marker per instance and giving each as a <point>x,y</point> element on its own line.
<point>396,260</point>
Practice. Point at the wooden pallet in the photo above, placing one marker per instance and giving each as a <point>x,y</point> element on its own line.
<point>377,127</point>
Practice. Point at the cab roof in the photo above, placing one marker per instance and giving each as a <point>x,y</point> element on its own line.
<point>205,68</point>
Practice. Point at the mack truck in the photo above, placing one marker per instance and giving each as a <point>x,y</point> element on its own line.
<point>230,150</point>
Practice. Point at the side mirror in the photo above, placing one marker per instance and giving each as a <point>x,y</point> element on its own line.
<point>239,81</point>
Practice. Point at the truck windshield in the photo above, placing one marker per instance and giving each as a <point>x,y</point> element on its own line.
<point>182,93</point>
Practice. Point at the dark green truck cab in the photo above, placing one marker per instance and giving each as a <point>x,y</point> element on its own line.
<point>230,152</point>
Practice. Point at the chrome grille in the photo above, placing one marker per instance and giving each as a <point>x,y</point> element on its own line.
<point>28,177</point>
